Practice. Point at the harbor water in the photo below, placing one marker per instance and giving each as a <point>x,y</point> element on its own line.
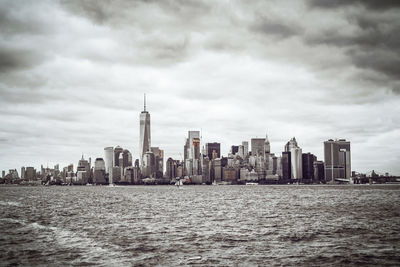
<point>202,225</point>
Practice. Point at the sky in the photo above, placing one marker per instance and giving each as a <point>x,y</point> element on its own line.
<point>73,75</point>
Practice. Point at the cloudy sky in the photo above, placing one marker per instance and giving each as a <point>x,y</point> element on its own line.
<point>73,74</point>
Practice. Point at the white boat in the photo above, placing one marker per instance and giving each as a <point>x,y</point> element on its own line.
<point>179,183</point>
<point>250,183</point>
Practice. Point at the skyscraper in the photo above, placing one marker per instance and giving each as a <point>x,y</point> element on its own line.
<point>145,138</point>
<point>258,147</point>
<point>291,144</point>
<point>267,147</point>
<point>234,149</point>
<point>297,163</point>
<point>286,166</point>
<point>213,147</point>
<point>109,162</point>
<point>337,159</point>
<point>245,145</point>
<point>308,167</point>
<point>159,159</point>
<point>99,171</point>
<point>117,151</point>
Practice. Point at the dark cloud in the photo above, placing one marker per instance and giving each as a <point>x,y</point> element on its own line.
<point>269,27</point>
<point>385,62</point>
<point>119,13</point>
<point>13,21</point>
<point>72,75</point>
<point>371,4</point>
<point>14,59</point>
<point>373,43</point>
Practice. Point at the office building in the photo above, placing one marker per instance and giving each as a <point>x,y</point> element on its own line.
<point>267,146</point>
<point>192,154</point>
<point>171,168</point>
<point>234,150</point>
<point>116,175</point>
<point>149,162</point>
<point>308,167</point>
<point>258,147</point>
<point>213,150</point>
<point>291,144</point>
<point>99,174</point>
<point>145,134</point>
<point>109,162</point>
<point>23,173</point>
<point>205,170</point>
<point>245,145</point>
<point>126,158</point>
<point>319,172</point>
<point>117,152</point>
<point>337,159</point>
<point>297,163</point>
<point>30,173</point>
<point>217,170</point>
<point>159,160</point>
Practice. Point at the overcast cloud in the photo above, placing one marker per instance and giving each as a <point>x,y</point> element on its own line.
<point>73,74</point>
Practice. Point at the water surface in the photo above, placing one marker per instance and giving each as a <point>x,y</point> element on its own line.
<point>200,225</point>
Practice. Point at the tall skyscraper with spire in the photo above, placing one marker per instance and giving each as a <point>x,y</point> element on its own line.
<point>145,138</point>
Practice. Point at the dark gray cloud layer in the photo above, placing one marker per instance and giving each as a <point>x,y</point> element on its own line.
<point>72,75</point>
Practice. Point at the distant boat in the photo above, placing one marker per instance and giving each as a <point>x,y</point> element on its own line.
<point>179,183</point>
<point>251,183</point>
<point>111,185</point>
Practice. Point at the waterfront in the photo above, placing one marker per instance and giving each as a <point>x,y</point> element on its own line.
<point>210,225</point>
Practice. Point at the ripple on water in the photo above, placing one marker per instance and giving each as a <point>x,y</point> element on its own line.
<point>201,225</point>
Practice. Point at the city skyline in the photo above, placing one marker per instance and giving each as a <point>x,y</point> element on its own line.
<point>238,73</point>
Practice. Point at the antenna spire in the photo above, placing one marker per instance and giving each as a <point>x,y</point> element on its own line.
<point>145,102</point>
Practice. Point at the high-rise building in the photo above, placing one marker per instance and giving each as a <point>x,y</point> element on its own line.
<point>145,136</point>
<point>192,154</point>
<point>117,152</point>
<point>159,159</point>
<point>126,158</point>
<point>99,175</point>
<point>245,145</point>
<point>217,163</point>
<point>319,171</point>
<point>291,144</point>
<point>337,159</point>
<point>83,171</point>
<point>267,147</point>
<point>109,162</point>
<point>23,173</point>
<point>30,173</point>
<point>213,150</point>
<point>205,165</point>
<point>171,167</point>
<point>258,147</point>
<point>148,167</point>
<point>234,150</point>
<point>308,167</point>
<point>297,163</point>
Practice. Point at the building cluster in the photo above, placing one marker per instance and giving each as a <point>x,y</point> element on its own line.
<point>201,164</point>
<point>257,163</point>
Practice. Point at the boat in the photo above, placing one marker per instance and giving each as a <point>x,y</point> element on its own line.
<point>251,183</point>
<point>179,183</point>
